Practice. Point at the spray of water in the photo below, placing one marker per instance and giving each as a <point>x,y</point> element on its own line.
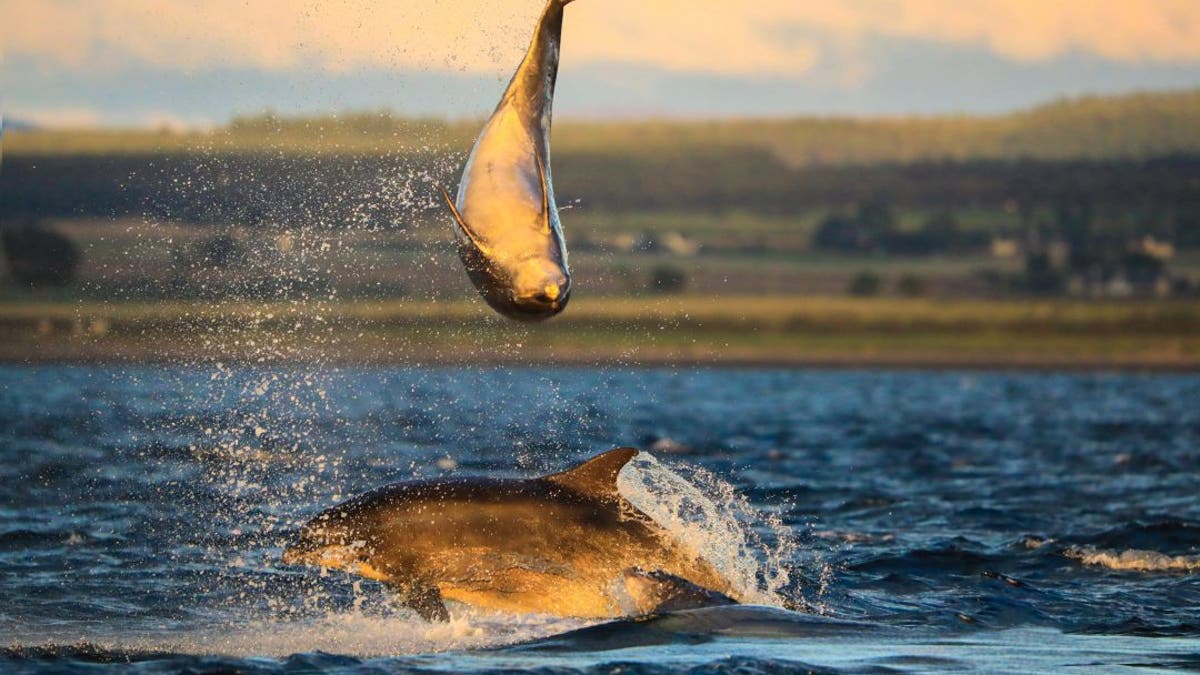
<point>708,515</point>
<point>278,266</point>
<point>359,633</point>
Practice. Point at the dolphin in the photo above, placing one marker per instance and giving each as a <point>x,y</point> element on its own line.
<point>565,544</point>
<point>506,220</point>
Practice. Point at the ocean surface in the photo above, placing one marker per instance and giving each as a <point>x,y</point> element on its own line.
<point>880,521</point>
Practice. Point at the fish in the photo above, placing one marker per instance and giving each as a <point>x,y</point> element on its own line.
<point>565,544</point>
<point>510,239</point>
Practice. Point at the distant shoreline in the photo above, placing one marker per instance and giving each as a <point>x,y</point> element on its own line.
<point>983,363</point>
<point>644,331</point>
<point>849,365</point>
<point>1148,123</point>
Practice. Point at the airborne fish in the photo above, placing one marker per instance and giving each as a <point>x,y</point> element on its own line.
<point>566,544</point>
<point>509,235</point>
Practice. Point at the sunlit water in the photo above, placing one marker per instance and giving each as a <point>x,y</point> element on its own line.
<point>910,521</point>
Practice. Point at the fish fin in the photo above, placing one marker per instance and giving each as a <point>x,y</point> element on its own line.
<point>545,191</point>
<point>597,476</point>
<point>462,223</point>
<point>656,591</point>
<point>423,598</point>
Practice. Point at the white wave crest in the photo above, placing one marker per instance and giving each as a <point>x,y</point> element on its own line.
<point>1138,560</point>
<point>708,515</point>
<point>362,635</point>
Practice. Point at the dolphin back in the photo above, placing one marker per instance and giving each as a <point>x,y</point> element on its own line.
<point>567,543</point>
<point>510,160</point>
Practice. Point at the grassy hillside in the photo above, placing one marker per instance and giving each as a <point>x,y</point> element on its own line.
<point>1133,126</point>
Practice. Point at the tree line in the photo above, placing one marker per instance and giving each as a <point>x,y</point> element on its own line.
<point>1124,127</point>
<point>1158,197</point>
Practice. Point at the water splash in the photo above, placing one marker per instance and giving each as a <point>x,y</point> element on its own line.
<point>1134,560</point>
<point>364,634</point>
<point>361,634</point>
<point>707,514</point>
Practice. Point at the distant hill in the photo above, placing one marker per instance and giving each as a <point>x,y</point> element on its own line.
<point>1129,127</point>
<point>1136,126</point>
<point>11,124</point>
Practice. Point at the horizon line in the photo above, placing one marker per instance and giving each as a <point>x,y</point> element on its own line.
<point>19,123</point>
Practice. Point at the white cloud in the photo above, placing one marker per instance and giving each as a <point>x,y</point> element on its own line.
<point>164,119</point>
<point>708,36</point>
<point>66,117</point>
<point>1031,30</point>
<point>189,35</point>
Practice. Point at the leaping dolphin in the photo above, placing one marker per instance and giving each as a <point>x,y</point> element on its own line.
<point>565,544</point>
<point>509,235</point>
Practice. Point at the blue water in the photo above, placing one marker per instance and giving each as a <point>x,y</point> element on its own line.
<point>914,522</point>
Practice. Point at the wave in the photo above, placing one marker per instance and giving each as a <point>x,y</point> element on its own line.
<point>1174,533</point>
<point>317,643</point>
<point>1134,560</point>
<point>720,525</point>
<point>354,633</point>
<point>698,625</point>
<point>1143,627</point>
<point>80,652</point>
<point>23,539</point>
<point>848,537</point>
<point>90,660</point>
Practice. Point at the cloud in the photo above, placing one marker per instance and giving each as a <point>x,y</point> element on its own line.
<point>165,119</point>
<point>334,36</point>
<point>1032,30</point>
<point>761,38</point>
<point>64,117</point>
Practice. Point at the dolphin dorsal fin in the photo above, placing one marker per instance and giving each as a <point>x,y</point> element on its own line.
<point>596,477</point>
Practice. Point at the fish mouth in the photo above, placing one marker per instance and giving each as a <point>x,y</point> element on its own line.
<point>526,309</point>
<point>345,557</point>
<point>321,548</point>
<point>543,303</point>
<point>336,556</point>
<point>301,553</point>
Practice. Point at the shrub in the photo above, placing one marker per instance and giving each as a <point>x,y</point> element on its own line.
<point>39,258</point>
<point>865,283</point>
<point>911,285</point>
<point>667,279</point>
<point>1040,277</point>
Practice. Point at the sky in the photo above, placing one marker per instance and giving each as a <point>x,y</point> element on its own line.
<point>197,63</point>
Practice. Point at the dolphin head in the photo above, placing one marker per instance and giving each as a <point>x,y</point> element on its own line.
<point>527,288</point>
<point>540,289</point>
<point>518,265</point>
<point>330,541</point>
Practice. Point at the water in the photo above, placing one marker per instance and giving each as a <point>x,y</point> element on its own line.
<point>915,521</point>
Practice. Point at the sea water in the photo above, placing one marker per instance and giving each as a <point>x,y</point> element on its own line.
<point>879,521</point>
